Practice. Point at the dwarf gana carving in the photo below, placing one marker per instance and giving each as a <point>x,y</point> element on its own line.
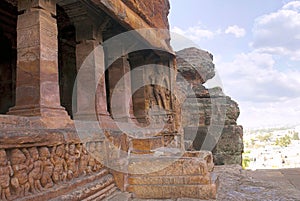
<point>60,165</point>
<point>47,167</point>
<point>35,168</point>
<point>94,149</point>
<point>32,170</point>
<point>84,167</point>
<point>20,166</point>
<point>72,156</point>
<point>5,173</point>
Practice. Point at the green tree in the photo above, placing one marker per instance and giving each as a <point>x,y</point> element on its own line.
<point>264,138</point>
<point>283,141</point>
<point>245,162</point>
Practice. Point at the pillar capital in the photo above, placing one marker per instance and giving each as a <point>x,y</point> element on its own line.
<point>89,22</point>
<point>28,5</point>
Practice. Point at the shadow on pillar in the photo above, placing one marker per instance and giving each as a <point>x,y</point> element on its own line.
<point>66,59</point>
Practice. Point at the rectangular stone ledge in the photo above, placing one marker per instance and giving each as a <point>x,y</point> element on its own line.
<point>36,118</point>
<point>146,145</point>
<point>10,121</point>
<point>170,180</point>
<point>174,191</point>
<point>18,138</point>
<point>170,177</point>
<point>168,166</point>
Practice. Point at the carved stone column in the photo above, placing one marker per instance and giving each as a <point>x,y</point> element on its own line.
<point>37,90</point>
<point>139,97</point>
<point>90,56</point>
<point>120,89</point>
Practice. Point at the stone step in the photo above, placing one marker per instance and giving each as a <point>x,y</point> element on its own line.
<point>168,166</point>
<point>96,190</point>
<point>171,177</point>
<point>170,180</point>
<point>78,189</point>
<point>173,191</point>
<point>119,196</point>
<point>171,187</point>
<point>104,193</point>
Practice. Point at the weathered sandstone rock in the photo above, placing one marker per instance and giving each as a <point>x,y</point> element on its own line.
<point>205,108</point>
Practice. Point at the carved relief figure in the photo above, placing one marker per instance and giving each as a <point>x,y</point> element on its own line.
<point>20,165</point>
<point>5,173</point>
<point>60,165</point>
<point>84,167</point>
<point>47,168</point>
<point>160,83</point>
<point>72,155</point>
<point>99,151</point>
<point>169,120</point>
<point>35,173</point>
<point>93,163</point>
<point>92,147</point>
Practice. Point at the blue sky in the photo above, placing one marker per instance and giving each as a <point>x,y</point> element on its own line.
<point>256,48</point>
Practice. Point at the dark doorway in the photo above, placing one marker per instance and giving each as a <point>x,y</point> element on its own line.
<point>66,58</point>
<point>8,56</point>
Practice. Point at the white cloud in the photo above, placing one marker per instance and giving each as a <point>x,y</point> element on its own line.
<point>293,5</point>
<point>252,77</point>
<point>270,113</point>
<point>236,31</point>
<point>266,95</point>
<point>195,33</point>
<point>278,32</point>
<point>178,30</point>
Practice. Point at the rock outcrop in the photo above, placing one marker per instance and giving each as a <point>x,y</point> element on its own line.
<point>195,65</point>
<point>155,14</point>
<point>216,128</point>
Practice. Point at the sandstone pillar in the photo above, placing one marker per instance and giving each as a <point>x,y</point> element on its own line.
<point>120,89</point>
<point>37,90</point>
<point>139,99</point>
<point>90,61</point>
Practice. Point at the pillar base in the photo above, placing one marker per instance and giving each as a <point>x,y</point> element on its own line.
<point>124,119</point>
<point>37,110</point>
<point>43,117</point>
<point>104,119</point>
<point>89,116</point>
